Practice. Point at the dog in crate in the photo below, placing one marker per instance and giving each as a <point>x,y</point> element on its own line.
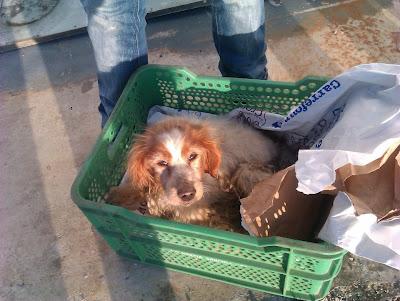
<point>195,171</point>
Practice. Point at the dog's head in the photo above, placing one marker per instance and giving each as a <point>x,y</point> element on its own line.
<point>172,157</point>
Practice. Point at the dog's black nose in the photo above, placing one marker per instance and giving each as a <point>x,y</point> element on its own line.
<point>187,195</point>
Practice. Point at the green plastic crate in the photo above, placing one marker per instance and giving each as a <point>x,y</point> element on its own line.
<point>275,265</point>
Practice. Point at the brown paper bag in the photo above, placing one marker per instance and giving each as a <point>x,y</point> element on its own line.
<point>375,187</point>
<point>276,208</point>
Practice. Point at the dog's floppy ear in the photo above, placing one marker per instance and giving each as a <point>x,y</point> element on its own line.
<point>212,159</point>
<point>138,170</point>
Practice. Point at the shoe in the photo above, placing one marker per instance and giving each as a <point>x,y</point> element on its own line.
<point>275,3</point>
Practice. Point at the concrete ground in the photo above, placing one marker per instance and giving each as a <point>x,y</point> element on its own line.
<point>49,122</point>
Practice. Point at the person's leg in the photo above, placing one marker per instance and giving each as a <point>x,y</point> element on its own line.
<point>239,37</point>
<point>117,31</point>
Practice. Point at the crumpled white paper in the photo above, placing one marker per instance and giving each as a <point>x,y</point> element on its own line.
<point>353,118</point>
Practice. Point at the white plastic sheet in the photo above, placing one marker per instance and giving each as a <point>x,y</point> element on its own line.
<point>369,96</point>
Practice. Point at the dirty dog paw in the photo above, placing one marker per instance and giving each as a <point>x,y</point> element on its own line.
<point>125,196</point>
<point>112,195</point>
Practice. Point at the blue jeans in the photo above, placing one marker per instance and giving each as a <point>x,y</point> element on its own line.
<point>117,31</point>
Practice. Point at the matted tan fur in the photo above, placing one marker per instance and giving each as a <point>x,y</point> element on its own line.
<point>195,171</point>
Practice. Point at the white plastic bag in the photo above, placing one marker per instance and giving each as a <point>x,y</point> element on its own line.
<point>369,96</point>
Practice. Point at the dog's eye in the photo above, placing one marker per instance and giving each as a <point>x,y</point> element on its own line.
<point>192,156</point>
<point>162,163</point>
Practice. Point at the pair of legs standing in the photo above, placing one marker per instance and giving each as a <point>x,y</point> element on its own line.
<point>117,31</point>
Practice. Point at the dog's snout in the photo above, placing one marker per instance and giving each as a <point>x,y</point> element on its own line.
<point>187,193</point>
